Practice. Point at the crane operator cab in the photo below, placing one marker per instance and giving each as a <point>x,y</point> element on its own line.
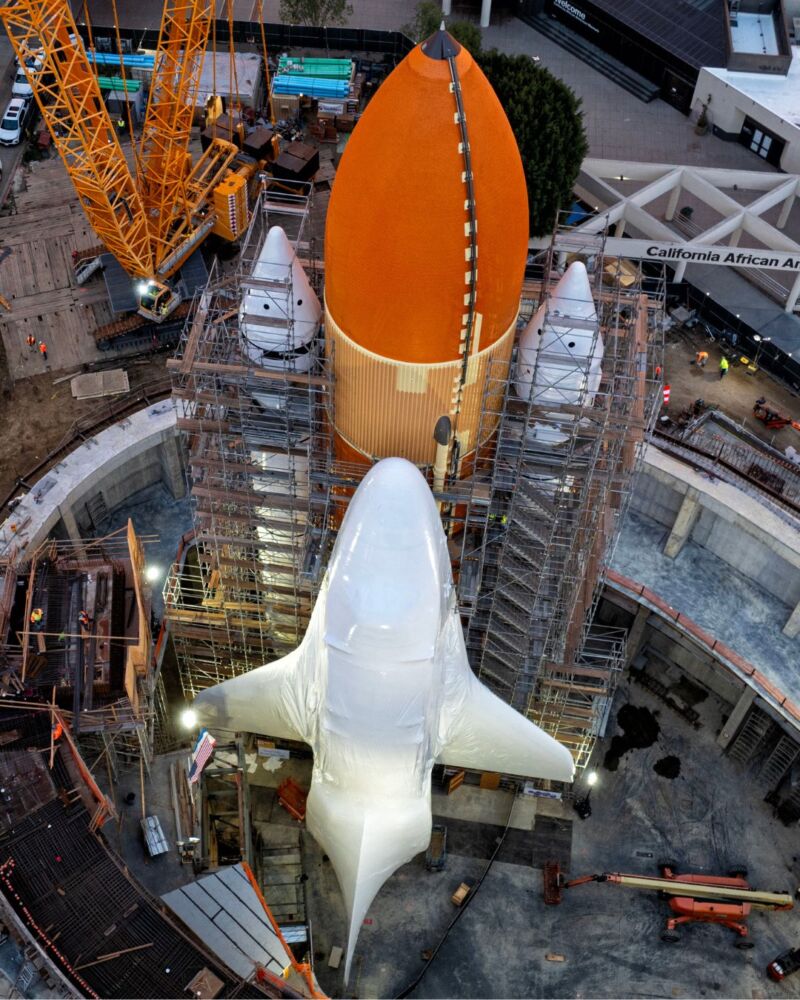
<point>157,300</point>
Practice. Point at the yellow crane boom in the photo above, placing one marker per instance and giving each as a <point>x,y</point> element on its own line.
<point>164,152</point>
<point>69,98</point>
<point>151,224</point>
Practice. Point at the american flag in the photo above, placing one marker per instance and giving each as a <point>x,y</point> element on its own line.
<point>201,754</point>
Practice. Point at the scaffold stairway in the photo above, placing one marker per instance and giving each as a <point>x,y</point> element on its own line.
<point>751,736</point>
<point>783,755</point>
<point>282,878</point>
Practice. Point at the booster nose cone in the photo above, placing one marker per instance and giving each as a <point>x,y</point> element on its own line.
<point>280,312</point>
<point>558,341</point>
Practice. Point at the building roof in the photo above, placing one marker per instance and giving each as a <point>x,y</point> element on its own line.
<point>692,30</point>
<point>225,913</point>
<point>778,94</point>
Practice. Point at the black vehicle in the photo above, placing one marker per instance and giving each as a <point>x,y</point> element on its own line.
<point>784,965</point>
<point>436,855</point>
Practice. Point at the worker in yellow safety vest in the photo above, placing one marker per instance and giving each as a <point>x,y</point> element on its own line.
<point>723,367</point>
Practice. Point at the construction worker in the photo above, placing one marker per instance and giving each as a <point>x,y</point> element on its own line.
<point>30,340</point>
<point>497,524</point>
<point>37,616</point>
<point>84,620</point>
<point>43,349</point>
<point>723,367</point>
<point>701,359</point>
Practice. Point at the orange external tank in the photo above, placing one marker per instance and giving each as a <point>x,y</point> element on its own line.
<point>425,248</point>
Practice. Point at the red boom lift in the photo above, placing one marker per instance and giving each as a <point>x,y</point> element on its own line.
<point>708,899</point>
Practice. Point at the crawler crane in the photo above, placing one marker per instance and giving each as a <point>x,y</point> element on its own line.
<point>153,219</point>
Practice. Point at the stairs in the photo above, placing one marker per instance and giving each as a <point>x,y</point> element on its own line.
<point>750,737</point>
<point>281,867</point>
<point>593,56</point>
<point>97,509</point>
<point>783,755</point>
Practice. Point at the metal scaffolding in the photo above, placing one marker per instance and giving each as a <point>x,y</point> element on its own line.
<point>552,497</point>
<point>255,437</point>
<point>529,528</point>
<point>97,671</point>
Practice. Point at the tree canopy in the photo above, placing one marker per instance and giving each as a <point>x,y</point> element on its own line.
<point>317,13</point>
<point>428,18</point>
<point>547,121</point>
<point>545,115</point>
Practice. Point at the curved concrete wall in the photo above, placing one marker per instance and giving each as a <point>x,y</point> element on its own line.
<point>97,477</point>
<point>723,519</point>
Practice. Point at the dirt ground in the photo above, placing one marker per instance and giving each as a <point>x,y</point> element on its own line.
<point>35,415</point>
<point>734,395</point>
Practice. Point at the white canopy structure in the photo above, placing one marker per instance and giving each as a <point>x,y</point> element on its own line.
<point>381,689</point>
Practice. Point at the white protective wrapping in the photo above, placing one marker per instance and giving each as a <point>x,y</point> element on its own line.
<point>280,312</point>
<point>560,347</point>
<point>381,689</point>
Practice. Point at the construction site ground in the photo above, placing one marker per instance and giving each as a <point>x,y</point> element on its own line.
<point>603,940</point>
<point>36,413</point>
<point>36,244</point>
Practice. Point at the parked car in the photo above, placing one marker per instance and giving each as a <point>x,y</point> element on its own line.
<point>21,87</point>
<point>15,118</point>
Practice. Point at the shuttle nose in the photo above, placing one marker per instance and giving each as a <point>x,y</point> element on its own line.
<point>390,573</point>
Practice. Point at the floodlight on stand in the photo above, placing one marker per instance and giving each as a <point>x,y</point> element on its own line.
<point>583,804</point>
<point>189,718</point>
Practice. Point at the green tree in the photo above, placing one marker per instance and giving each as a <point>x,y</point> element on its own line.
<point>317,13</point>
<point>428,18</point>
<point>547,121</point>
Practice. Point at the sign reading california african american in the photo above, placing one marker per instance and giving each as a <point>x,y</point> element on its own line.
<point>695,253</point>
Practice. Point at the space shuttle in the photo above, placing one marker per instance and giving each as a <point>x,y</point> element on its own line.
<point>381,689</point>
<point>560,358</point>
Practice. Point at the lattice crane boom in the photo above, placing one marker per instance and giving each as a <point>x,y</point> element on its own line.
<point>68,95</point>
<point>164,153</point>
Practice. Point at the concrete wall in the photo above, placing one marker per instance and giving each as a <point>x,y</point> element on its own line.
<point>728,110</point>
<point>673,648</point>
<point>733,525</point>
<point>98,477</point>
<point>657,497</point>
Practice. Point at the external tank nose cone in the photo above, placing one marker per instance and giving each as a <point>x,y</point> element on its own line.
<point>425,247</point>
<point>440,45</point>
<point>407,157</point>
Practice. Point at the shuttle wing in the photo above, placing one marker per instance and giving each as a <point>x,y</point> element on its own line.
<point>487,734</point>
<point>266,700</point>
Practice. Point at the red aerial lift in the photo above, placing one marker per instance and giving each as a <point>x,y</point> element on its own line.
<point>767,414</point>
<point>708,899</point>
